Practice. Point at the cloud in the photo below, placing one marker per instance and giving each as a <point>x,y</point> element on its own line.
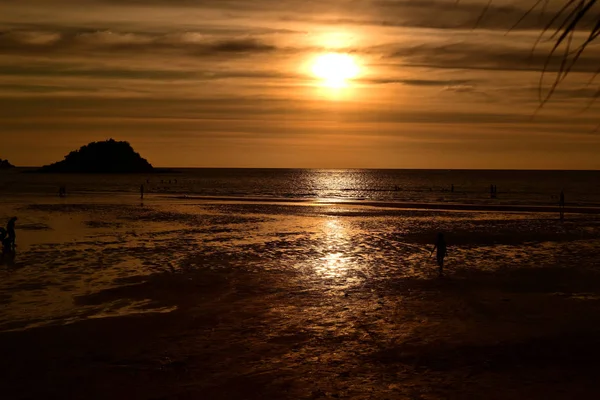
<point>419,82</point>
<point>450,14</point>
<point>50,70</point>
<point>239,46</point>
<point>32,38</point>
<point>36,42</point>
<point>32,88</point>
<point>436,14</point>
<point>461,88</point>
<point>430,14</point>
<point>252,110</point>
<point>107,39</point>
<point>584,93</point>
<point>57,70</point>
<point>489,57</point>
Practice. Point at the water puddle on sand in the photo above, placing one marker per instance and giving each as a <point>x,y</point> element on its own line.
<point>119,308</point>
<point>116,309</point>
<point>579,296</point>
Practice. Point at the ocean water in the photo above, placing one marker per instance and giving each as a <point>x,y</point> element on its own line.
<point>423,186</point>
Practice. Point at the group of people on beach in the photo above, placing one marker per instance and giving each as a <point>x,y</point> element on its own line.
<point>8,236</point>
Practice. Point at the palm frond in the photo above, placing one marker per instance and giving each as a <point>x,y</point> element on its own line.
<point>562,29</point>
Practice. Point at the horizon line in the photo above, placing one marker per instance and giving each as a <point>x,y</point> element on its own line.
<point>362,168</point>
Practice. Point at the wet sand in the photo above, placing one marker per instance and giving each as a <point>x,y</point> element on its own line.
<point>217,300</point>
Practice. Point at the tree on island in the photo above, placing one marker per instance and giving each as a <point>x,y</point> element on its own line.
<point>4,164</point>
<point>109,156</point>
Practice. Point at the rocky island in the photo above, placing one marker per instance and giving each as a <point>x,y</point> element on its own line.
<point>4,164</point>
<point>109,157</point>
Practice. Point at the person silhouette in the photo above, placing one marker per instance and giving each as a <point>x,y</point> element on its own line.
<point>10,230</point>
<point>442,251</point>
<point>142,191</point>
<point>561,205</point>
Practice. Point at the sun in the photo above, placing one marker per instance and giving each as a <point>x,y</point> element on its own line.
<point>335,69</point>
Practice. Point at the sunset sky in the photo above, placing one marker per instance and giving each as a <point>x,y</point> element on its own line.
<point>231,83</point>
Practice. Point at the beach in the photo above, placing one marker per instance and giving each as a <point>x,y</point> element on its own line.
<point>299,200</point>
<point>183,297</point>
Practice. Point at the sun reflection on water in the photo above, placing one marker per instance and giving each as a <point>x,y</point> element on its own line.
<point>335,261</point>
<point>336,184</point>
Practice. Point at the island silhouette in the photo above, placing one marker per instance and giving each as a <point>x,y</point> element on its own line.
<point>109,156</point>
<point>4,164</point>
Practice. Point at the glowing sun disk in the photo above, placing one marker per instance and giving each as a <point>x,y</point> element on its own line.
<point>335,69</point>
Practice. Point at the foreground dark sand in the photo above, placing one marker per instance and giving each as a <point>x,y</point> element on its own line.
<point>352,313</point>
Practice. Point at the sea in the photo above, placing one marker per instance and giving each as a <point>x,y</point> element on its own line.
<point>581,188</point>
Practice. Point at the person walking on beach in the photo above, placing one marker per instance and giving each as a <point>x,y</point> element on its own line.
<point>10,230</point>
<point>442,251</point>
<point>142,191</point>
<point>561,205</point>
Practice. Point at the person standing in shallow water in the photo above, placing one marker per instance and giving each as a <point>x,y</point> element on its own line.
<point>442,251</point>
<point>12,235</point>
<point>561,205</point>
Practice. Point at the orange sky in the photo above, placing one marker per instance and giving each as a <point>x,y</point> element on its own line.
<point>228,83</point>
